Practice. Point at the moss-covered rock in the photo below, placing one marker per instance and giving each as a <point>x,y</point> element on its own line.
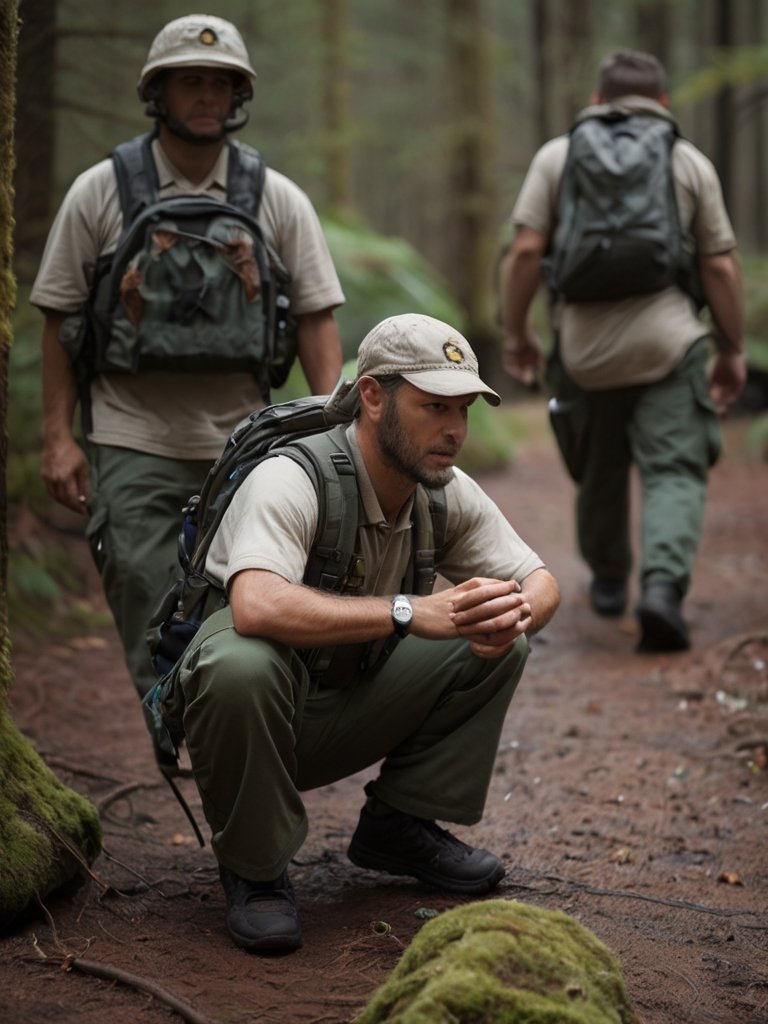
<point>39,817</point>
<point>503,962</point>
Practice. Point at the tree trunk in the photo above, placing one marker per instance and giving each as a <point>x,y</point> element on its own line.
<point>542,42</point>
<point>724,103</point>
<point>653,25</point>
<point>41,821</point>
<point>35,132</point>
<point>333,15</point>
<point>471,186</point>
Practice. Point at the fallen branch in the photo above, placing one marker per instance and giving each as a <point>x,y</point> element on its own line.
<point>135,981</point>
<point>728,649</point>
<point>123,791</point>
<point>75,769</point>
<point>628,894</point>
<point>70,961</point>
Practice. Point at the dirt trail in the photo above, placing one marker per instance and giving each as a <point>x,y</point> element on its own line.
<point>629,791</point>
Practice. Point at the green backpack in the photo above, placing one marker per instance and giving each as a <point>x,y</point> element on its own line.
<point>192,285</point>
<point>310,431</point>
<point>618,229</point>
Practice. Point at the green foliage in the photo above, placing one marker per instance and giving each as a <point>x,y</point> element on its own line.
<point>757,437</point>
<point>755,270</point>
<point>503,962</point>
<point>45,598</point>
<point>743,65</point>
<point>382,276</point>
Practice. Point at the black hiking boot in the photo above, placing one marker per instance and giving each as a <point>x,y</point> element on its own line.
<point>401,844</point>
<point>659,611</point>
<point>261,916</point>
<point>608,597</point>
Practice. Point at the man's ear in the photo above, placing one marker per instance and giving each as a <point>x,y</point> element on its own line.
<point>373,397</point>
<point>664,99</point>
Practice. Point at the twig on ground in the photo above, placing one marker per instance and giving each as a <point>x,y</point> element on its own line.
<point>141,984</point>
<point>628,894</point>
<point>75,769</point>
<point>730,648</point>
<point>123,791</point>
<point>70,961</point>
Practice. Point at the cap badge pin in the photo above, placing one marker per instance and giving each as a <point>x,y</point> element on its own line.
<point>453,353</point>
<point>208,37</point>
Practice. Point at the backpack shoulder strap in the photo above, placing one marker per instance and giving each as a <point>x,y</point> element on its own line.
<point>333,472</point>
<point>136,174</point>
<point>430,519</point>
<point>246,172</point>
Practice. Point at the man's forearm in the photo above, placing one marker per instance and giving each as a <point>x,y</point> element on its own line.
<point>520,277</point>
<point>542,592</point>
<point>320,350</point>
<point>721,278</point>
<point>266,605</point>
<point>59,387</point>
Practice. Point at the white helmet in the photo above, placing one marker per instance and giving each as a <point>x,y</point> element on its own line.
<point>198,40</point>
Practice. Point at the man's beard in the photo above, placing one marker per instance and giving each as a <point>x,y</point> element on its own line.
<point>402,455</point>
<point>180,130</point>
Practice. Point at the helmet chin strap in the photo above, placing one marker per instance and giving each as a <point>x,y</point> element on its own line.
<point>237,119</point>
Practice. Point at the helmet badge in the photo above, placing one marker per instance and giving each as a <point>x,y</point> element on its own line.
<point>452,352</point>
<point>208,37</point>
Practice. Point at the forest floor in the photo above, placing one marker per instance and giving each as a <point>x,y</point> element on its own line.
<point>631,791</point>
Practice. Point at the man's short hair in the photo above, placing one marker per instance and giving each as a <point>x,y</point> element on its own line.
<point>631,73</point>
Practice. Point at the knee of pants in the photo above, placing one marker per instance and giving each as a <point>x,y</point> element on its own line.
<point>240,676</point>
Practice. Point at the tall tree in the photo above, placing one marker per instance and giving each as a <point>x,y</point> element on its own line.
<point>723,39</point>
<point>46,830</point>
<point>471,197</point>
<point>542,69</point>
<point>653,27</point>
<point>333,14</point>
<point>35,131</point>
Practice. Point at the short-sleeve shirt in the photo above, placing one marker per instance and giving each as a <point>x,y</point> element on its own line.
<point>272,520</point>
<point>641,338</point>
<point>187,415</point>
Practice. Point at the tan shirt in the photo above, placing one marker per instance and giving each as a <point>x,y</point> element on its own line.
<point>641,338</point>
<point>272,520</point>
<point>186,415</point>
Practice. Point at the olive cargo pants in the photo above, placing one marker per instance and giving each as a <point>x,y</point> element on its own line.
<point>259,732</point>
<point>670,431</point>
<point>133,529</point>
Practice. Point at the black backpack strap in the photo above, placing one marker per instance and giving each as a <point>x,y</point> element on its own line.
<point>246,172</point>
<point>337,508</point>
<point>430,519</point>
<point>137,181</point>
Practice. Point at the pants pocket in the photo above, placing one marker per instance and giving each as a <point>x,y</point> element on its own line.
<point>710,419</point>
<point>96,535</point>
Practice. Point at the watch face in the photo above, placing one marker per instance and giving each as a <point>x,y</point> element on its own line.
<point>401,610</point>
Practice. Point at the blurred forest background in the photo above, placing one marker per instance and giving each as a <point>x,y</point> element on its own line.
<point>410,123</point>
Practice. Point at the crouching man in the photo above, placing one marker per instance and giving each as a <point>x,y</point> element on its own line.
<point>261,727</point>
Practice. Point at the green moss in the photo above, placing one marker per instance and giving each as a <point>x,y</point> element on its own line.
<point>503,962</point>
<point>37,812</point>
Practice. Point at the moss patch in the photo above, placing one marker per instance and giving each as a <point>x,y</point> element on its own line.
<point>503,962</point>
<point>35,810</point>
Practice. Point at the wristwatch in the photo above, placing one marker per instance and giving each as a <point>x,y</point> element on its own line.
<point>402,613</point>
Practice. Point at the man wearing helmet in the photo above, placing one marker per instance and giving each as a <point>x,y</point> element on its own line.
<point>153,435</point>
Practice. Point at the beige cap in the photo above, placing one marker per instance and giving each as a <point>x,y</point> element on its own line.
<point>197,40</point>
<point>428,353</point>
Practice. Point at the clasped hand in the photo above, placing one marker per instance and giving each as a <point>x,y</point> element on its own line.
<point>490,613</point>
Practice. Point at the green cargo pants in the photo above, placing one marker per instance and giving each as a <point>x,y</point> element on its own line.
<point>133,529</point>
<point>670,431</point>
<point>259,732</point>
